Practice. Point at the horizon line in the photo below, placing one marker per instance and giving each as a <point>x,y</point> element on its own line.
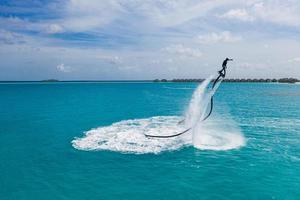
<point>133,80</point>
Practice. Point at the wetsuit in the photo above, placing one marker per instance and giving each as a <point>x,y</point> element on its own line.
<point>222,72</point>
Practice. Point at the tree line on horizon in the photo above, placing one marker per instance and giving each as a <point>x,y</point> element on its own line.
<point>267,80</point>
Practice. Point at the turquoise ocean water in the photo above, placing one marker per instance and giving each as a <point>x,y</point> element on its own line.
<point>50,147</point>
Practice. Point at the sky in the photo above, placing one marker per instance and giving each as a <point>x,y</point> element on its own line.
<point>148,39</point>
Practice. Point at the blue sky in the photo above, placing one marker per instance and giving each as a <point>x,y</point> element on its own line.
<point>148,39</point>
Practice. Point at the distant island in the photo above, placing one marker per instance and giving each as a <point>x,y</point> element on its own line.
<point>50,80</point>
<point>281,80</point>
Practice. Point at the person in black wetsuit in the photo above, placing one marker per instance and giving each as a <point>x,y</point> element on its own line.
<point>222,72</point>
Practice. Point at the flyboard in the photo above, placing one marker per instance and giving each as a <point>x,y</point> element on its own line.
<point>216,81</point>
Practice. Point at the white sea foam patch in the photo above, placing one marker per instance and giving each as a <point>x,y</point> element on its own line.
<point>218,134</point>
<point>128,136</point>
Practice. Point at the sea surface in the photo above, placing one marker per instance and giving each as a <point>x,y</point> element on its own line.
<point>86,141</point>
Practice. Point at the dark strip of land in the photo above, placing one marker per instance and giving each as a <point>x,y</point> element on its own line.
<point>281,80</point>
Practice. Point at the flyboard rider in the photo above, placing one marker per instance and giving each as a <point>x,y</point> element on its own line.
<point>222,72</point>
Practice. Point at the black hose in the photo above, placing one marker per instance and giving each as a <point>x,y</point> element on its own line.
<point>212,99</point>
<point>211,109</point>
<point>168,136</point>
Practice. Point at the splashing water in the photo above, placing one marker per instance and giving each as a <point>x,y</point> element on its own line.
<point>128,136</point>
<point>198,104</point>
<point>211,134</point>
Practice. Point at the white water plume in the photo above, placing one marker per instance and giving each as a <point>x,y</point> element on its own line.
<point>213,134</point>
<point>198,105</point>
<point>200,101</point>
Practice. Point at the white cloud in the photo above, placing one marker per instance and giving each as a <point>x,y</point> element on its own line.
<point>129,68</point>
<point>162,61</point>
<point>21,24</point>
<point>111,59</point>
<point>54,28</point>
<point>62,68</point>
<point>146,15</point>
<point>174,13</point>
<point>284,13</point>
<point>82,15</point>
<point>213,37</point>
<point>179,49</point>
<point>77,16</point>
<point>239,14</point>
<point>9,37</point>
<point>294,60</point>
<point>252,65</point>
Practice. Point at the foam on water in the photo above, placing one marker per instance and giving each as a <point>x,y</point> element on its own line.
<point>217,134</point>
<point>128,136</point>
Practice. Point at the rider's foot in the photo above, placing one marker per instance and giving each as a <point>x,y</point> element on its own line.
<point>221,74</point>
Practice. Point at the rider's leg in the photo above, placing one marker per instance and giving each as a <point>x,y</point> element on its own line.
<point>224,74</point>
<point>221,73</point>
